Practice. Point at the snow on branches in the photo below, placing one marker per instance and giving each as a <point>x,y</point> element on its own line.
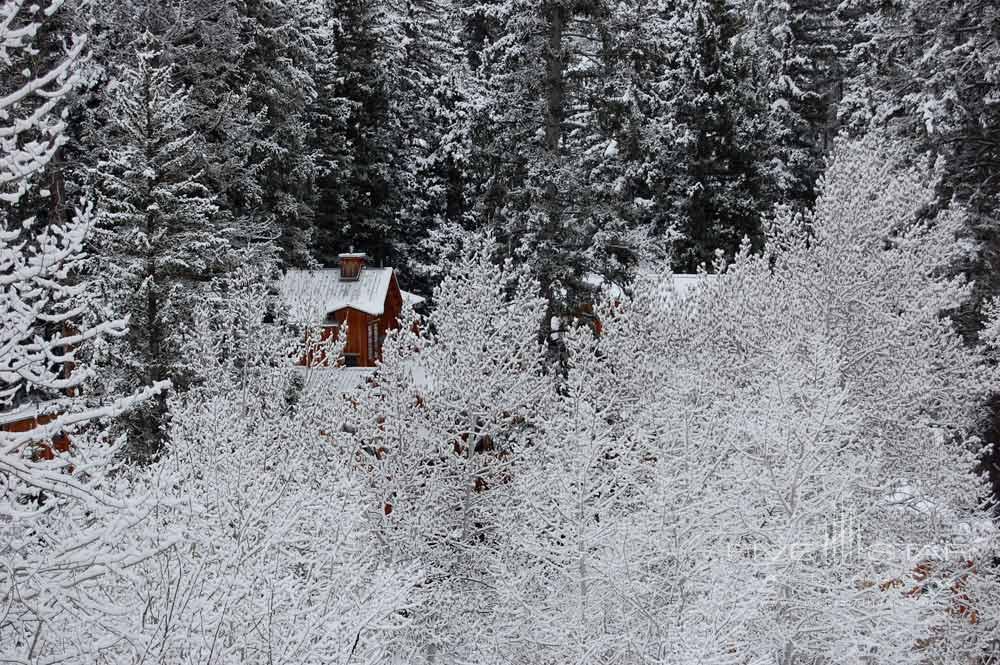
<point>64,526</point>
<point>31,124</point>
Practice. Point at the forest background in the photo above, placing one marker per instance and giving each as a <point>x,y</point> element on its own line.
<point>837,162</point>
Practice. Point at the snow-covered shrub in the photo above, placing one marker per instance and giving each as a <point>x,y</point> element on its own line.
<point>440,430</point>
<point>63,519</point>
<point>805,423</point>
<point>271,558</point>
<point>776,467</point>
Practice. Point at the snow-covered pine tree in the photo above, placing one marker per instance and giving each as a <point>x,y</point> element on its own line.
<point>800,53</point>
<point>328,116</point>
<point>208,45</point>
<point>721,188</point>
<point>538,163</point>
<point>158,238</point>
<point>632,85</point>
<point>430,89</point>
<point>279,66</point>
<point>945,81</point>
<point>359,194</point>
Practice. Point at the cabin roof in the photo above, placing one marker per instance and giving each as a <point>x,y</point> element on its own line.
<point>312,294</point>
<point>412,298</point>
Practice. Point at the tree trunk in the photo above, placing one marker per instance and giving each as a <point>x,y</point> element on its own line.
<point>554,85</point>
<point>554,98</point>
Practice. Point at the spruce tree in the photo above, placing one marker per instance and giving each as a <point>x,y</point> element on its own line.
<point>280,65</point>
<point>541,162</point>
<point>722,189</point>
<point>800,50</point>
<point>159,235</point>
<point>358,193</point>
<point>944,78</point>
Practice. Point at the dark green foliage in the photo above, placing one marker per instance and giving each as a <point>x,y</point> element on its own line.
<point>721,188</point>
<point>801,59</point>
<point>358,193</point>
<point>159,235</point>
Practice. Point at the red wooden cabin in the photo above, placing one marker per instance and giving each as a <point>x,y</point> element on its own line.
<point>367,299</point>
<point>27,417</point>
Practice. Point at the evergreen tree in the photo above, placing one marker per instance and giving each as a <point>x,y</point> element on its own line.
<point>430,91</point>
<point>538,174</point>
<point>800,50</point>
<point>246,106</point>
<point>359,191</point>
<point>159,235</point>
<point>279,65</point>
<point>943,81</point>
<point>722,190</point>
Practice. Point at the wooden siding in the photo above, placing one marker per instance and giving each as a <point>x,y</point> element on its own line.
<point>59,443</point>
<point>390,316</point>
<point>357,335</point>
<point>358,323</point>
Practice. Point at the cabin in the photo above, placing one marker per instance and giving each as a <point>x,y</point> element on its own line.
<point>366,299</point>
<point>28,417</point>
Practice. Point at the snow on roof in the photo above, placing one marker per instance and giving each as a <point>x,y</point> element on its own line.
<point>335,380</point>
<point>412,298</point>
<point>312,294</point>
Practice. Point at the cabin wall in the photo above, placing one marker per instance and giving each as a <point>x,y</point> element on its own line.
<point>357,336</point>
<point>356,344</point>
<point>59,443</point>
<point>392,309</point>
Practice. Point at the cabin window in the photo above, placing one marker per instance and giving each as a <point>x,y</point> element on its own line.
<point>330,331</point>
<point>373,340</point>
<point>330,328</point>
<point>352,360</point>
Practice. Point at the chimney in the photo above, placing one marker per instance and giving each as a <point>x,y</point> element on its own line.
<point>351,265</point>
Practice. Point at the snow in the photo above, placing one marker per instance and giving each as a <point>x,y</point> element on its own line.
<point>312,294</point>
<point>684,285</point>
<point>338,381</point>
<point>412,298</point>
<point>335,380</point>
<point>33,410</point>
<point>680,284</point>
